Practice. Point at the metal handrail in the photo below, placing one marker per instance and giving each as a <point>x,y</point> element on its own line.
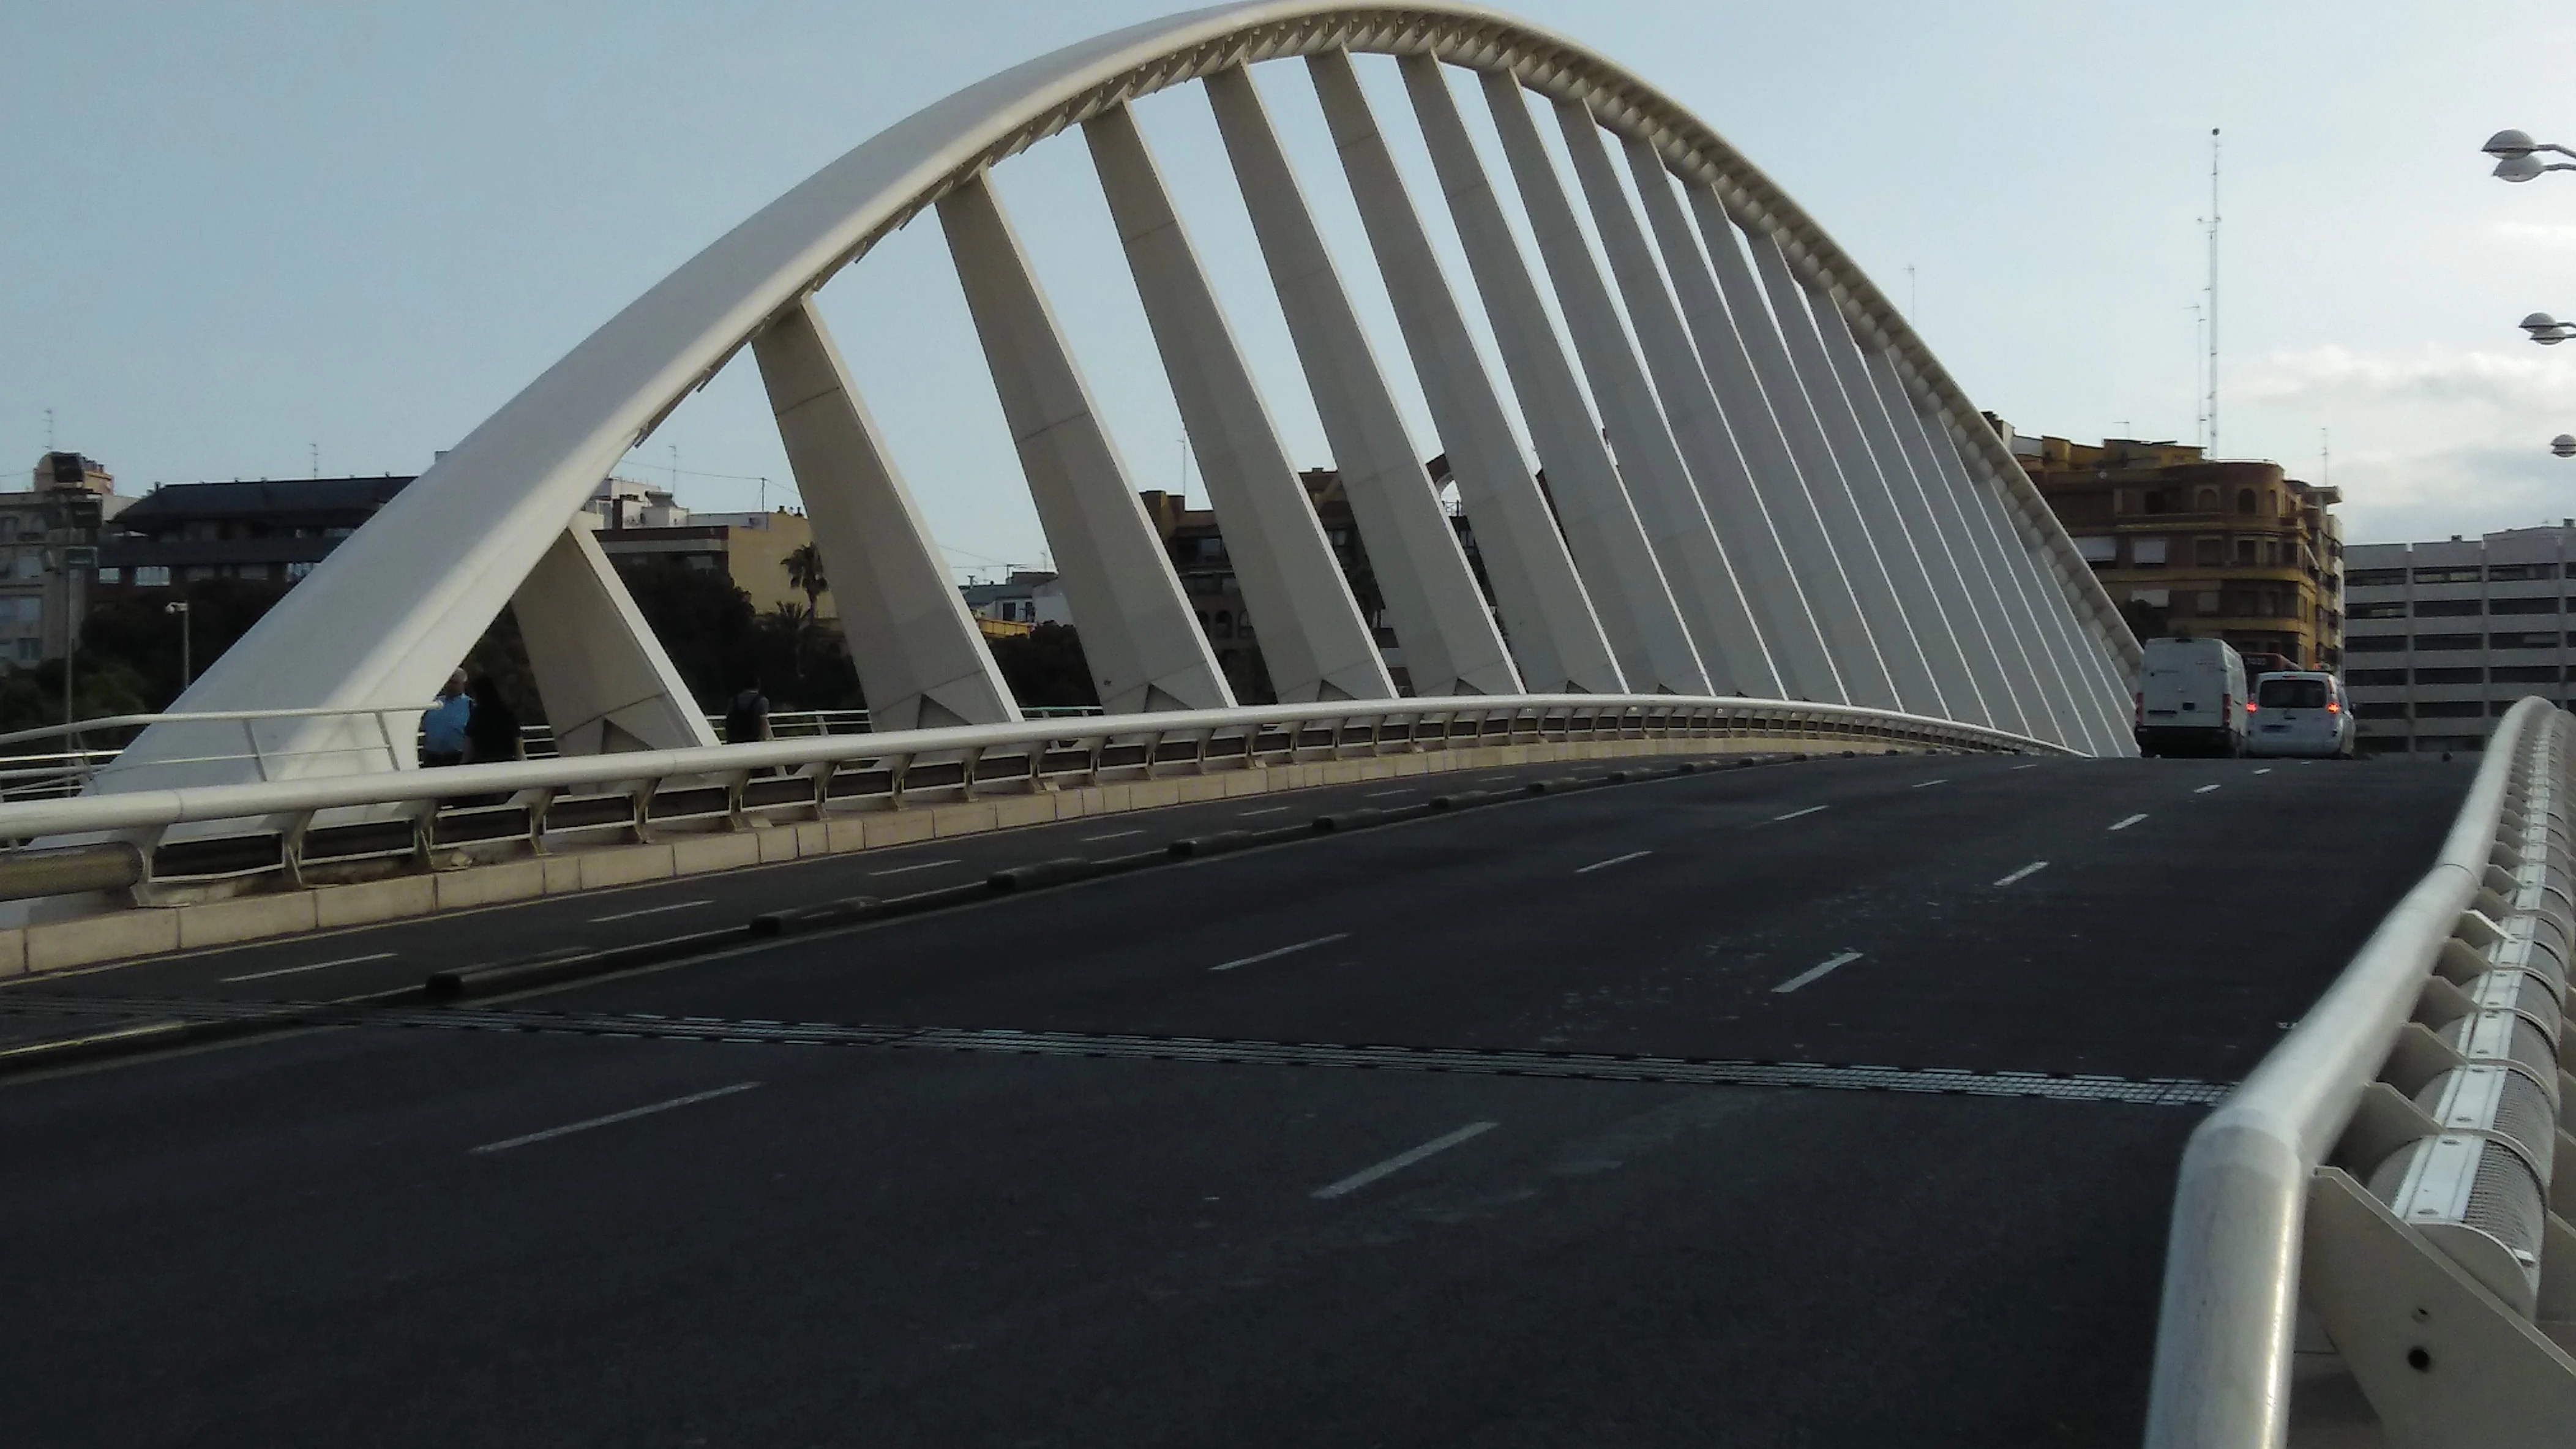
<point>2226,1325</point>
<point>121,810</point>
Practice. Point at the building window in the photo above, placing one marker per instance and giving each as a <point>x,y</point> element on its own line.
<point>2212,551</point>
<point>2099,548</point>
<point>30,651</point>
<point>31,565</point>
<point>2147,553</point>
<point>2374,578</point>
<point>2522,606</point>
<point>2205,500</point>
<point>2388,709</point>
<point>296,571</point>
<point>2459,574</point>
<point>2450,708</point>
<point>701,563</point>
<point>2375,676</point>
<point>199,571</point>
<point>2508,572</point>
<point>2469,675</point>
<point>2245,501</point>
<point>2525,674</point>
<point>2244,551</point>
<point>336,532</point>
<point>2391,610</point>
<point>2375,644</point>
<point>27,609</point>
<point>2528,640</point>
<point>111,575</point>
<point>2444,608</point>
<point>2447,641</point>
<point>151,576</point>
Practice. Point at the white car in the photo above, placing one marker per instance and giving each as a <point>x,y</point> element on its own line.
<point>2302,713</point>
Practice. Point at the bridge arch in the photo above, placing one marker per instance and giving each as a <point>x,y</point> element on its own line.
<point>1803,505</point>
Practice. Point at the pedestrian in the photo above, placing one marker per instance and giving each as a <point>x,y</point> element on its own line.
<point>443,725</point>
<point>491,730</point>
<point>747,717</point>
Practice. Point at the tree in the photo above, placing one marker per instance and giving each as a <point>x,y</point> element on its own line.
<point>805,570</point>
<point>1045,667</point>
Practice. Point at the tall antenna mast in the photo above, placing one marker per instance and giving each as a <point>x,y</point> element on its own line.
<point>2211,403</point>
<point>2199,380</point>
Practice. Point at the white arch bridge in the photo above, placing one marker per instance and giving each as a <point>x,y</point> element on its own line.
<point>1759,487</point>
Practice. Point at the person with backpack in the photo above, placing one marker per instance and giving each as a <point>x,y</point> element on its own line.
<point>747,717</point>
<point>443,725</point>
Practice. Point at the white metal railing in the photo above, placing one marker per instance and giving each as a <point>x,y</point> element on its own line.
<point>809,776</point>
<point>2358,1085</point>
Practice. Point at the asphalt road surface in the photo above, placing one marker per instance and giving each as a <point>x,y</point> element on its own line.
<point>1541,1124</point>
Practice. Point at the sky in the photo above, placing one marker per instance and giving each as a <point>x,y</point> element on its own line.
<point>247,240</point>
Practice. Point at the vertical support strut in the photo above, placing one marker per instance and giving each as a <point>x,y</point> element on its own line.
<point>1313,640</point>
<point>919,656</point>
<point>1846,506</point>
<point>1695,563</point>
<point>1771,468</point>
<point>1144,648</point>
<point>1449,640</point>
<point>1628,586</point>
<point>606,683</point>
<point>1555,637</point>
<point>1770,585</point>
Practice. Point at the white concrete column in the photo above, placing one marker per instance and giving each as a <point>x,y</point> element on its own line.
<point>2003,655</point>
<point>1772,469</point>
<point>1450,643</point>
<point>1716,468</point>
<point>1855,519</point>
<point>1928,577</point>
<point>1659,483</point>
<point>607,686</point>
<point>1313,640</point>
<point>1555,637</point>
<point>920,658</point>
<point>1140,637</point>
<point>1628,586</point>
<point>2078,724</point>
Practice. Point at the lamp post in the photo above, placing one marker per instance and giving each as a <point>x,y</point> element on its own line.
<point>186,619</point>
<point>2518,156</point>
<point>2564,445</point>
<point>2546,330</point>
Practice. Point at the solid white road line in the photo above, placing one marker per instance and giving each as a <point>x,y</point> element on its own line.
<point>650,911</point>
<point>1818,970</point>
<point>1928,784</point>
<point>316,966</point>
<point>2264,771</point>
<point>909,869</point>
<point>2125,824</point>
<point>1112,835</point>
<point>1614,860</point>
<point>1265,810</point>
<point>1794,814</point>
<point>2205,789</point>
<point>2034,868</point>
<point>629,1115</point>
<point>1402,1160</point>
<point>1283,951</point>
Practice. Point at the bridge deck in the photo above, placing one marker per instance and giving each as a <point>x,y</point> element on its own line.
<point>920,1228</point>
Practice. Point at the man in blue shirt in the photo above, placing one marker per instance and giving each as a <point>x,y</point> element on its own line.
<point>442,725</point>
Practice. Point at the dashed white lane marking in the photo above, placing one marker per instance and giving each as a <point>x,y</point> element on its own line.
<point>316,966</point>
<point>1264,810</point>
<point>1383,794</point>
<point>2205,789</point>
<point>909,869</point>
<point>1112,835</point>
<point>649,911</point>
<point>2125,824</point>
<point>2034,868</point>
<point>2018,768</point>
<point>629,1115</point>
<point>1794,814</point>
<point>1283,951</point>
<point>1928,784</point>
<point>1402,1160</point>
<point>2264,771</point>
<point>1816,971</point>
<point>1614,860</point>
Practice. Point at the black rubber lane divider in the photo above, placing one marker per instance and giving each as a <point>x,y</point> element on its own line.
<point>1359,819</point>
<point>1217,844</point>
<point>572,963</point>
<point>1060,871</point>
<point>845,911</point>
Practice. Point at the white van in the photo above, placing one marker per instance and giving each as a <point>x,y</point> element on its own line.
<point>2191,698</point>
<point>2300,713</point>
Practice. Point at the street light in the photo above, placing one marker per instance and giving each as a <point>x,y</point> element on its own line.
<point>186,619</point>
<point>2564,445</point>
<point>2546,330</point>
<point>2517,157</point>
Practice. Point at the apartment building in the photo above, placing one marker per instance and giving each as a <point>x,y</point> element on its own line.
<point>48,554</point>
<point>2445,636</point>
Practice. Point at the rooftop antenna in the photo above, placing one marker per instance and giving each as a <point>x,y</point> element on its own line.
<point>2199,383</point>
<point>2325,458</point>
<point>1910,296</point>
<point>2211,223</point>
<point>49,430</point>
<point>317,458</point>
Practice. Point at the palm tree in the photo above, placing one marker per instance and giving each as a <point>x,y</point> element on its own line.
<point>805,570</point>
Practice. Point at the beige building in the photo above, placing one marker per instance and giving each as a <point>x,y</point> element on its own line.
<point>49,555</point>
<point>751,549</point>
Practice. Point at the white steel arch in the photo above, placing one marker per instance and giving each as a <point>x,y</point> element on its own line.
<point>1785,451</point>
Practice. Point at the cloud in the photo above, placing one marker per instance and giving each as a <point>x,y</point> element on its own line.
<point>2548,236</point>
<point>2530,380</point>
